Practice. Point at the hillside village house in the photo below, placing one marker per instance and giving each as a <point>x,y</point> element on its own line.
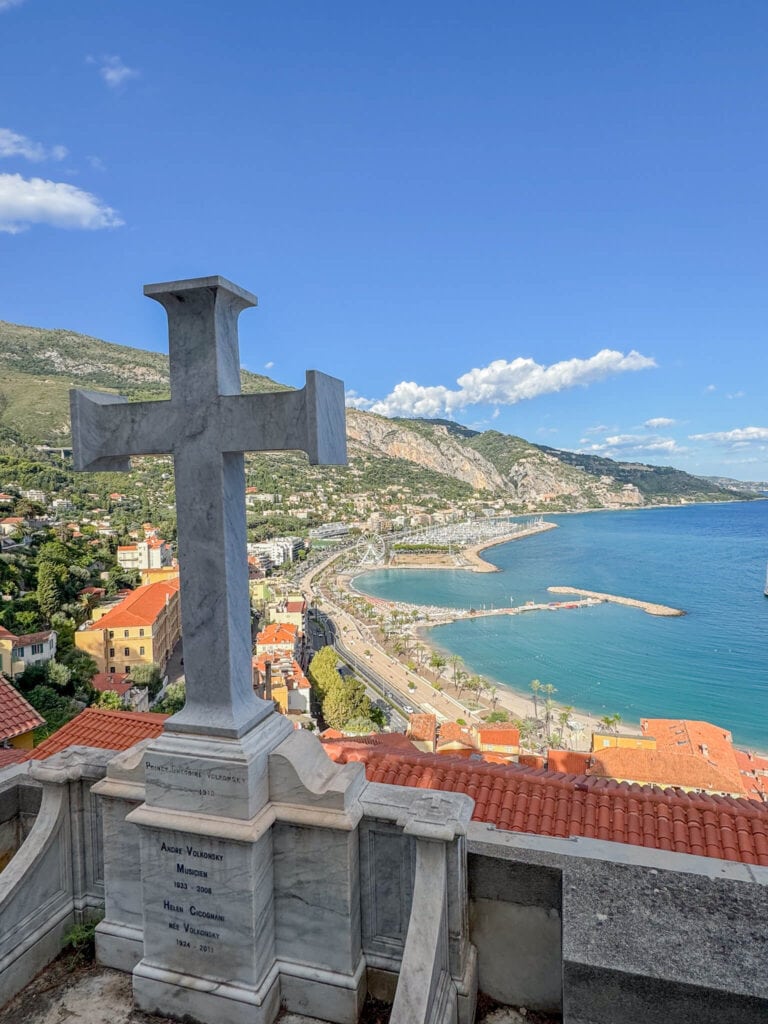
<point>281,679</point>
<point>17,652</point>
<point>18,719</point>
<point>281,639</point>
<point>141,629</point>
<point>292,612</point>
<point>152,553</point>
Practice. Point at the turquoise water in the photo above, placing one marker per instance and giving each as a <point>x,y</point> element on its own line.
<point>710,664</point>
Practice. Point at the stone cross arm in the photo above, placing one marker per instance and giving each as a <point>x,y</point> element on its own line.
<point>108,429</point>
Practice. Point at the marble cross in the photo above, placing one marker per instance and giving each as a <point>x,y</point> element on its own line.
<point>207,425</point>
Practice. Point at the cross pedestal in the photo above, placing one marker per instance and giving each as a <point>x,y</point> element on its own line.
<point>206,837</point>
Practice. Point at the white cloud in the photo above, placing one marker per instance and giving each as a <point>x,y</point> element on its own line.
<point>27,201</point>
<point>736,394</point>
<point>96,163</point>
<point>113,71</point>
<point>637,444</point>
<point>13,144</point>
<point>269,365</point>
<point>710,388</point>
<point>502,383</point>
<point>739,435</point>
<point>659,421</point>
<point>5,5</point>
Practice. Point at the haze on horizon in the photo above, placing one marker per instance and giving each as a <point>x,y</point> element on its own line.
<point>548,220</point>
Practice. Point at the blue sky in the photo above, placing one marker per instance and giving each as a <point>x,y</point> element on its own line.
<point>549,218</point>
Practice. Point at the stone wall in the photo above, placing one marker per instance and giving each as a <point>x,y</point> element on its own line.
<point>612,934</point>
<point>19,806</point>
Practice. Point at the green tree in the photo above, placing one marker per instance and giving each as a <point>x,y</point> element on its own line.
<point>535,689</point>
<point>54,707</point>
<point>497,716</point>
<point>344,701</point>
<point>147,674</point>
<point>59,677</point>
<point>173,699</point>
<point>51,579</point>
<point>109,700</point>
<point>437,661</point>
<point>548,690</point>
<point>455,661</point>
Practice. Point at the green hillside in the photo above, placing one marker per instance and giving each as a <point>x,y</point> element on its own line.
<point>40,366</point>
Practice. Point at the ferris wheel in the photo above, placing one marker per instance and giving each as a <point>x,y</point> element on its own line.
<point>370,549</point>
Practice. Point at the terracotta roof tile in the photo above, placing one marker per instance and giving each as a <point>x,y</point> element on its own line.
<point>521,799</point>
<point>97,727</point>
<point>140,608</point>
<point>664,768</point>
<point>10,755</point>
<point>570,762</point>
<point>17,715</point>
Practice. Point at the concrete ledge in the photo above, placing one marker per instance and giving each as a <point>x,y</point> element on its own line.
<point>603,996</point>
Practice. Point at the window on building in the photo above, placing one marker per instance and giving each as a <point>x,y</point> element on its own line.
<point>127,652</point>
<point>18,652</point>
<point>125,632</point>
<point>141,650</point>
<point>111,633</point>
<point>111,668</point>
<point>37,648</point>
<point>126,669</point>
<point>111,652</point>
<point>141,632</point>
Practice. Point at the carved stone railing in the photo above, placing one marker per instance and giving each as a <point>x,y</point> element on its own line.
<point>55,878</point>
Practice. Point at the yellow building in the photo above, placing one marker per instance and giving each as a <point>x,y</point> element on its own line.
<point>605,740</point>
<point>143,628</point>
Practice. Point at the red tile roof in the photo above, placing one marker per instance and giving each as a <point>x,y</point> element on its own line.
<point>34,638</point>
<point>140,608</point>
<point>17,715</point>
<point>571,762</point>
<point>114,681</point>
<point>10,755</point>
<point>278,633</point>
<point>711,743</point>
<point>520,799</point>
<point>664,768</point>
<point>97,727</point>
<point>285,671</point>
<point>499,734</point>
<point>423,728</point>
<point>295,606</point>
<point>754,774</point>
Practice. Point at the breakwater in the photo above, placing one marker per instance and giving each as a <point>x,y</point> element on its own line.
<point>647,606</point>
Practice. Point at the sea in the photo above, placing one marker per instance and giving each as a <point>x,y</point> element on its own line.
<point>710,664</point>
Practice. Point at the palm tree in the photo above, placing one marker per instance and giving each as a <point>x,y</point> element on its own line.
<point>493,693</point>
<point>549,690</point>
<point>479,685</point>
<point>460,681</point>
<point>611,722</point>
<point>563,719</point>
<point>536,688</point>
<point>437,661</point>
<point>455,661</point>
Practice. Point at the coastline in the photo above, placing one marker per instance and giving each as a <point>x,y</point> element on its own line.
<point>471,555</point>
<point>520,704</point>
<point>516,699</point>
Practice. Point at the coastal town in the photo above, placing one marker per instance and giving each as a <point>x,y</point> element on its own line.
<point>92,625</point>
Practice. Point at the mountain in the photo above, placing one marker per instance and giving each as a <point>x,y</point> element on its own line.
<point>47,364</point>
<point>438,458</point>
